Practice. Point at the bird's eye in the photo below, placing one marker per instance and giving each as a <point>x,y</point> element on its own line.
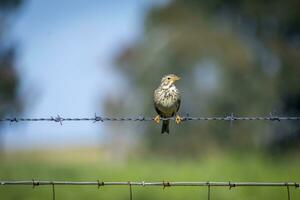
<point>169,78</point>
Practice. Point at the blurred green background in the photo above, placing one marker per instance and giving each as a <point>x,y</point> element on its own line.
<point>233,56</point>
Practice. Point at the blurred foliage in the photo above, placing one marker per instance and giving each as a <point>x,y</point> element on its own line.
<point>8,83</point>
<point>8,5</point>
<point>86,165</point>
<point>233,56</point>
<point>9,80</point>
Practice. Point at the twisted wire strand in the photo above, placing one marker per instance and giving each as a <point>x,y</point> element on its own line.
<point>96,118</point>
<point>163,184</point>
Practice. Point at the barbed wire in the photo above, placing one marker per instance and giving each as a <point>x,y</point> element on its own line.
<point>162,184</point>
<point>96,118</point>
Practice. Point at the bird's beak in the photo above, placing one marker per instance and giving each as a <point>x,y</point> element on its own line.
<point>176,78</point>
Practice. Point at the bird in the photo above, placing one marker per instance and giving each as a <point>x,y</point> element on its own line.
<point>167,101</point>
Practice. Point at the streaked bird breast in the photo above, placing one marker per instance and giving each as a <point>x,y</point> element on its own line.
<point>166,100</point>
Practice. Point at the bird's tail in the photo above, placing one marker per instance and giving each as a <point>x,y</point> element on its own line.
<point>165,126</point>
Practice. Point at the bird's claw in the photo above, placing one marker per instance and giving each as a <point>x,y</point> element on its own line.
<point>178,119</point>
<point>157,119</point>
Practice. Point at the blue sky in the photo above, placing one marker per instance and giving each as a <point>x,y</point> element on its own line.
<point>66,52</point>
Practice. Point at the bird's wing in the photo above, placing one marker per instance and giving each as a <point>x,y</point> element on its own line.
<point>157,110</point>
<point>178,102</point>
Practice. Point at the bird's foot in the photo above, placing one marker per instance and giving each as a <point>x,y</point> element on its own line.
<point>157,119</point>
<point>178,119</point>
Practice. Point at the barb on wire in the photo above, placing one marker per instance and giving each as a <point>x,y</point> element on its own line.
<point>97,118</point>
<point>166,184</point>
<point>231,185</point>
<point>58,119</point>
<point>100,184</point>
<point>34,184</point>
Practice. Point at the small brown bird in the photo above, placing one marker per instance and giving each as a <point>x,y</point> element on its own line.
<point>167,101</point>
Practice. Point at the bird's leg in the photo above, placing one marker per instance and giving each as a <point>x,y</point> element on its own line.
<point>178,119</point>
<point>157,119</point>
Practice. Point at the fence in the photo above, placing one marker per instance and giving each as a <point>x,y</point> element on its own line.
<point>96,118</point>
<point>162,184</point>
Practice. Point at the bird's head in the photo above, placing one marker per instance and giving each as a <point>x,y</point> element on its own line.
<point>168,80</point>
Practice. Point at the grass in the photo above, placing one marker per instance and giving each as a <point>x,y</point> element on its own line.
<point>90,165</point>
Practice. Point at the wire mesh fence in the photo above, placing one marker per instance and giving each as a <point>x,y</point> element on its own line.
<point>163,184</point>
